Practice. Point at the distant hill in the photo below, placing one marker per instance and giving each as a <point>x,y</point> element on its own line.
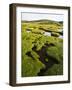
<point>44,21</point>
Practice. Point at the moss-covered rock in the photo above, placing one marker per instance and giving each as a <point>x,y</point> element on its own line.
<point>55,34</point>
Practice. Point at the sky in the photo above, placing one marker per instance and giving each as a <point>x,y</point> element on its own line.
<point>38,16</point>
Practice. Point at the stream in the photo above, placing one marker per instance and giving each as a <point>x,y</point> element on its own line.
<point>49,34</point>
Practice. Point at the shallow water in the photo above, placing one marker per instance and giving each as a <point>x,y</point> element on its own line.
<point>61,36</point>
<point>28,31</point>
<point>48,34</point>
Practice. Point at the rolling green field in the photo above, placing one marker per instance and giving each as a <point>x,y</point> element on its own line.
<point>42,48</point>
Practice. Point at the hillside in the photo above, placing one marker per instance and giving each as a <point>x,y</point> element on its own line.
<point>44,21</point>
<point>47,25</point>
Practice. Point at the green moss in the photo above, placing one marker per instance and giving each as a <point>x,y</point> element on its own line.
<point>31,66</point>
<point>46,59</point>
<point>35,55</point>
<point>56,69</point>
<point>56,52</point>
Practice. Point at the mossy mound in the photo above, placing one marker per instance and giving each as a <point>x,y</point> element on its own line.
<point>55,34</point>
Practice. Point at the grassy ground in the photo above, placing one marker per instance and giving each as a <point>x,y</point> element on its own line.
<point>41,55</point>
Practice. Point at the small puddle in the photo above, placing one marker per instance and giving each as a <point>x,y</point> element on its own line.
<point>47,33</point>
<point>61,36</point>
<point>28,31</point>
